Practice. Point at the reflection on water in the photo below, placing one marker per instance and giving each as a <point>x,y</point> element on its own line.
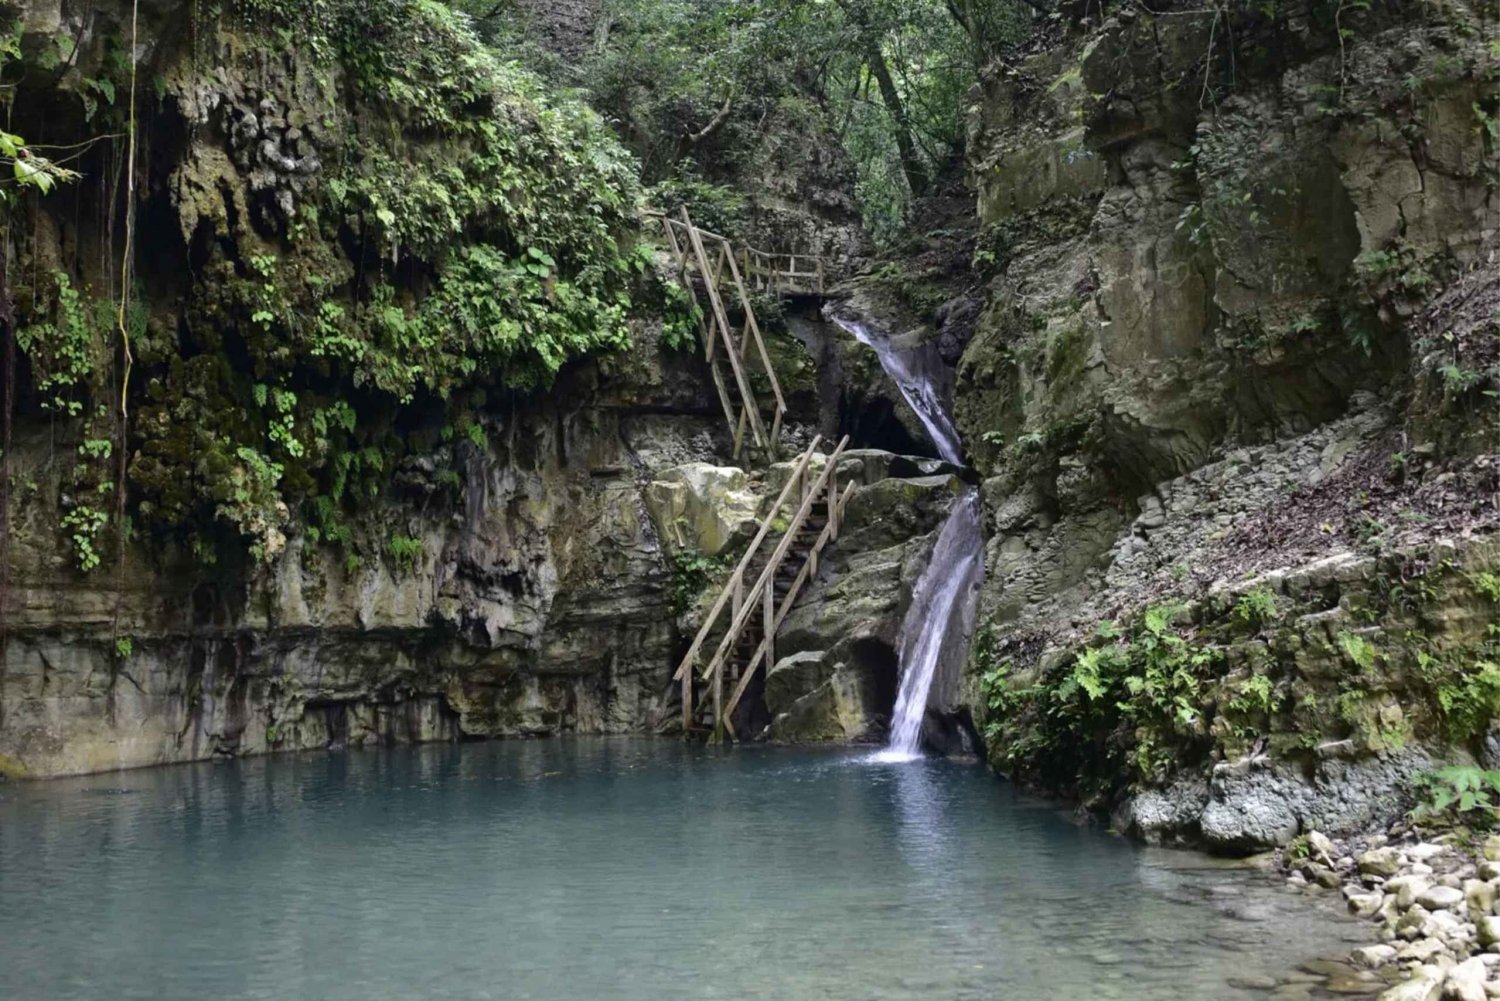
<point>629,869</point>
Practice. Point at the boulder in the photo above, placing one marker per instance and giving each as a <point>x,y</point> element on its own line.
<point>698,507</point>
<point>794,678</point>
<point>1466,981</point>
<point>1440,898</point>
<point>1374,956</point>
<point>1426,984</point>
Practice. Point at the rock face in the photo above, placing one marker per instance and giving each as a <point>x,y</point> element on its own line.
<point>1207,370</point>
<point>541,603</point>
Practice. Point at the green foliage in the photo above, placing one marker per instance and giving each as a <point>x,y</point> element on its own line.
<point>1257,694</point>
<point>1487,584</point>
<point>691,573</point>
<point>681,315</point>
<point>918,290</point>
<point>1458,794</point>
<point>471,237</point>
<point>29,169</point>
<point>63,343</point>
<point>1358,649</point>
<point>1465,687</point>
<point>1124,707</point>
<point>82,525</point>
<point>720,208</point>
<point>124,647</point>
<point>1256,607</point>
<point>708,90</point>
<point>405,552</point>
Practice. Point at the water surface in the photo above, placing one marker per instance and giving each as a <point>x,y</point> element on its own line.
<point>591,868</point>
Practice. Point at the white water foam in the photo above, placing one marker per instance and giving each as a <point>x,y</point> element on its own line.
<point>941,615</point>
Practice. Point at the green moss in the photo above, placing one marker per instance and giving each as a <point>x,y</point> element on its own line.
<point>11,768</point>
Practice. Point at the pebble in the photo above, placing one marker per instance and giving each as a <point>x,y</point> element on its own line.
<point>1466,981</point>
<point>1253,983</point>
<point>1441,897</point>
<point>1374,956</point>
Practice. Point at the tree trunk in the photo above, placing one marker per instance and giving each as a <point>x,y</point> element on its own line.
<point>911,160</point>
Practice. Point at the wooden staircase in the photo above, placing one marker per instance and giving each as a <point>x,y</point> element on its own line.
<point>711,269</point>
<point>740,628</point>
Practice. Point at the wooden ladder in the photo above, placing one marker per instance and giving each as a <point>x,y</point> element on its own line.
<point>709,261</point>
<point>760,593</point>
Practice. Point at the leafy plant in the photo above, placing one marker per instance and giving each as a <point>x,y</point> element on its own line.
<point>1487,583</point>
<point>1458,793</point>
<point>1358,649</point>
<point>1256,607</point>
<point>691,573</point>
<point>405,552</point>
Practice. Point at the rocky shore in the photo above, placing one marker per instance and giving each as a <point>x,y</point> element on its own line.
<point>1432,908</point>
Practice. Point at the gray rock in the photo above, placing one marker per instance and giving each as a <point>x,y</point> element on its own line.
<point>1466,981</point>
<point>1426,984</point>
<point>1380,862</point>
<point>1440,898</point>
<point>1374,956</point>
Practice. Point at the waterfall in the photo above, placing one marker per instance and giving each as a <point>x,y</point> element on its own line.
<point>940,620</point>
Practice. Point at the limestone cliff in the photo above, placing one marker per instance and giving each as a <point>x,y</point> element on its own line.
<point>1231,345</point>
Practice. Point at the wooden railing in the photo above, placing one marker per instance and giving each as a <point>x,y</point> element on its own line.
<point>746,602</point>
<point>712,259</point>
<point>786,274</point>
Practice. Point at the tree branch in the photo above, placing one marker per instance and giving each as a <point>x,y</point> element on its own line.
<point>694,138</point>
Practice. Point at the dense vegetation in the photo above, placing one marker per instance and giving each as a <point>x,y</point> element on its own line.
<point>696,86</point>
<point>466,235</point>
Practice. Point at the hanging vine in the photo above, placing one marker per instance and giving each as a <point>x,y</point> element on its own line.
<point>127,360</point>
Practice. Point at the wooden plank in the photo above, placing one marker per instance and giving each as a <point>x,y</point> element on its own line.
<point>768,574</point>
<point>768,624</point>
<point>765,527</point>
<point>739,432</point>
<point>760,343</point>
<point>757,430</point>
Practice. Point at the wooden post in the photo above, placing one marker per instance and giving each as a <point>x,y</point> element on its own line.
<point>720,724</point>
<point>820,275</point>
<point>833,507</point>
<point>687,702</point>
<point>769,605</point>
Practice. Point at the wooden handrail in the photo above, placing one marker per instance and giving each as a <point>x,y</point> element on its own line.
<point>751,409</point>
<point>779,553</point>
<point>755,595</point>
<point>829,534</point>
<point>739,571</point>
<point>820,264</point>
